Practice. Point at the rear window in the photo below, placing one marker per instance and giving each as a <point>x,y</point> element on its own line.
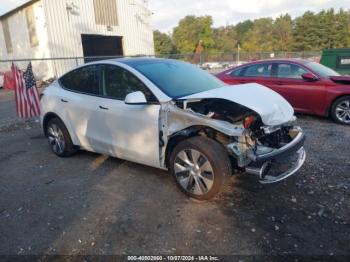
<point>84,80</point>
<point>237,72</point>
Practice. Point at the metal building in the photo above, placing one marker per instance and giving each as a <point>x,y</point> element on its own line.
<point>74,28</point>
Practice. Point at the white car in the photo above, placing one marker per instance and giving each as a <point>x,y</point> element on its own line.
<point>212,65</point>
<point>174,116</point>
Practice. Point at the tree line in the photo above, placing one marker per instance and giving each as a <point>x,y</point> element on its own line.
<point>309,32</point>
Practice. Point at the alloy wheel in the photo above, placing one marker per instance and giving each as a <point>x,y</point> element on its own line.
<point>56,139</point>
<point>193,172</point>
<point>343,111</point>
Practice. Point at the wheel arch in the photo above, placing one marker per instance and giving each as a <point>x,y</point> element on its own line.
<point>329,109</point>
<point>51,115</point>
<point>47,118</point>
<point>188,133</point>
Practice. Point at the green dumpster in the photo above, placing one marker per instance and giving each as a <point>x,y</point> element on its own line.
<point>337,59</point>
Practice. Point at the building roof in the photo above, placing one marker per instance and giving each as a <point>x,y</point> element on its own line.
<point>16,9</point>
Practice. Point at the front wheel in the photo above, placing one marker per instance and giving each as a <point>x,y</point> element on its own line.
<point>341,110</point>
<point>199,166</point>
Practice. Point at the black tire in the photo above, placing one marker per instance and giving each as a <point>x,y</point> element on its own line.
<point>211,151</point>
<point>66,148</point>
<point>334,107</point>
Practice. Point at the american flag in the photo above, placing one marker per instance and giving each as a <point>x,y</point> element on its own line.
<point>27,96</point>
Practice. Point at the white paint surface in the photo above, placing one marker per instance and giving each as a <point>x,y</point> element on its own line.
<point>273,108</point>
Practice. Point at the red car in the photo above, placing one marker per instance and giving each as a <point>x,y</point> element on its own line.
<point>308,86</point>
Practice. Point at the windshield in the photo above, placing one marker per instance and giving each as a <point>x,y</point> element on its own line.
<point>178,79</point>
<point>322,70</point>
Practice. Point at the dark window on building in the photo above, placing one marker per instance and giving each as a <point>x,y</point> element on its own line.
<point>85,80</point>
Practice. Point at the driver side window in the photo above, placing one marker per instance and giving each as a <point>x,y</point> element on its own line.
<point>119,82</point>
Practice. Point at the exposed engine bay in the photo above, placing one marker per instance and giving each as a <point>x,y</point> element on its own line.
<point>218,109</point>
<point>253,147</point>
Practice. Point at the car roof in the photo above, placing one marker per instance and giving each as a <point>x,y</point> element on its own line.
<point>134,61</point>
<point>283,60</point>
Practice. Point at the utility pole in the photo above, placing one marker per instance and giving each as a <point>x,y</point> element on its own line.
<point>238,55</point>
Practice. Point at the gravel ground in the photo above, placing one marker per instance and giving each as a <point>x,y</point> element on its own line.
<point>91,204</point>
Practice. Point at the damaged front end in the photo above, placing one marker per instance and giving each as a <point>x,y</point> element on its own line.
<point>272,152</point>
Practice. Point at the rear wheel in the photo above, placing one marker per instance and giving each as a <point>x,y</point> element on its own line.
<point>340,110</point>
<point>59,138</point>
<point>199,166</point>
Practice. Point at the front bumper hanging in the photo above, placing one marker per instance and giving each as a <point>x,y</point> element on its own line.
<point>267,178</point>
<point>281,163</point>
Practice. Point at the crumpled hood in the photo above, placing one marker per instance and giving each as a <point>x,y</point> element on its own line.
<point>272,108</point>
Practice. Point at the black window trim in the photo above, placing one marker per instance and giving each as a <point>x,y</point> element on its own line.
<point>100,73</point>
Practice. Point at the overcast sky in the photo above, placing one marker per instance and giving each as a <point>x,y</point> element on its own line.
<point>167,13</point>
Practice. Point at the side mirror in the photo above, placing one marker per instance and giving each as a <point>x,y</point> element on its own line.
<point>136,98</point>
<point>309,77</point>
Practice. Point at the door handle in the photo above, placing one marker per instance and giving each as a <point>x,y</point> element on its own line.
<point>64,101</point>
<point>103,108</point>
<point>279,83</point>
<point>243,82</point>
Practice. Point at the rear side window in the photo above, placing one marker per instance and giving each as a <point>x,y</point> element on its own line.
<point>237,72</point>
<point>119,82</point>
<point>290,71</point>
<point>84,80</point>
<point>259,70</point>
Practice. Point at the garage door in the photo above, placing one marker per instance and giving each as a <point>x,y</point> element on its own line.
<point>100,45</point>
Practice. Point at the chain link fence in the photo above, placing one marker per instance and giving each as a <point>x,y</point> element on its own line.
<point>242,57</point>
<point>52,68</point>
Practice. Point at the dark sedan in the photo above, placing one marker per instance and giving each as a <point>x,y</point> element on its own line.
<point>308,86</point>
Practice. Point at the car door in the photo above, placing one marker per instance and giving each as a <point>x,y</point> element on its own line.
<point>303,95</point>
<point>81,103</point>
<point>129,132</point>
